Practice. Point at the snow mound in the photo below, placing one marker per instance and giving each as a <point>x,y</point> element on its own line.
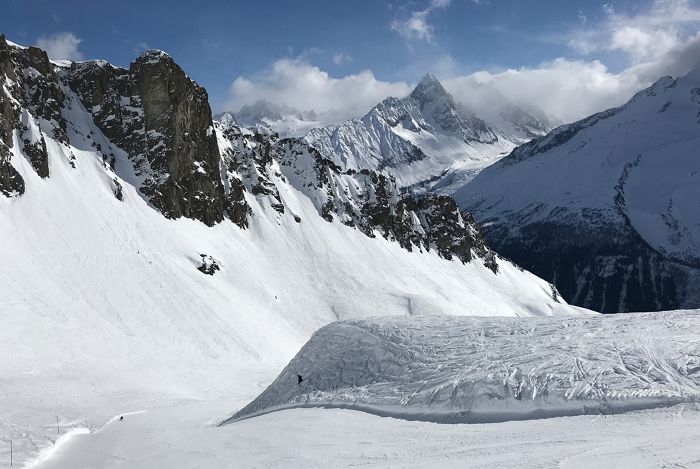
<point>475,370</point>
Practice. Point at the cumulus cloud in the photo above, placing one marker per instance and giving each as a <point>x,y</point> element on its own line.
<point>61,46</point>
<point>296,83</point>
<point>661,40</point>
<point>565,90</point>
<point>341,58</point>
<point>416,26</point>
<point>647,35</point>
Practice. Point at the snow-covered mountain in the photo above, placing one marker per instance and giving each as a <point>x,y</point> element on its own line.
<point>151,254</point>
<point>606,208</point>
<point>426,140</point>
<point>270,117</point>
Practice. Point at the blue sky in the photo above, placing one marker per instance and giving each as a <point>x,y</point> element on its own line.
<point>369,47</point>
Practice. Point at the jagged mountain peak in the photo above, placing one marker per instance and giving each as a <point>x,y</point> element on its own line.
<point>429,89</point>
<point>226,118</point>
<point>153,55</point>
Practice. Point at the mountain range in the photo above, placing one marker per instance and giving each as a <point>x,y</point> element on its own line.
<point>427,140</point>
<point>154,255</point>
<point>122,199</point>
<point>606,208</point>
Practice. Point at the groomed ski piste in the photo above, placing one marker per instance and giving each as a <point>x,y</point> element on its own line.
<point>485,370</point>
<point>621,391</point>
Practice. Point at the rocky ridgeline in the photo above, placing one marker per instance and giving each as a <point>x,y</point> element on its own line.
<point>158,121</point>
<point>162,119</point>
<point>367,200</point>
<point>434,108</point>
<point>30,108</point>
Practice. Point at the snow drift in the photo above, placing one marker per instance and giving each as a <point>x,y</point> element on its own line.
<point>458,369</point>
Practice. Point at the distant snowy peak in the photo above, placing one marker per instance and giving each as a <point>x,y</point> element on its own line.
<point>439,111</point>
<point>266,116</point>
<point>429,89</point>
<point>426,140</point>
<point>263,110</point>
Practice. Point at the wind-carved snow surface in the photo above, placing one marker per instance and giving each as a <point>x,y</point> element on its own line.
<point>476,370</point>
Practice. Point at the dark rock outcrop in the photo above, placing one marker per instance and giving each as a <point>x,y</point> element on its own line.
<point>31,105</point>
<point>162,120</point>
<point>209,265</point>
<point>11,183</point>
<point>367,200</point>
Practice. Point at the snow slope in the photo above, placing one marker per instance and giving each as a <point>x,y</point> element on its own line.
<point>474,370</point>
<point>614,196</point>
<point>104,307</point>
<point>103,303</point>
<point>321,438</point>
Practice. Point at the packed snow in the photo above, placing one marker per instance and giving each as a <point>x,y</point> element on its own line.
<point>185,437</point>
<point>474,370</point>
<point>647,355</point>
<point>105,308</point>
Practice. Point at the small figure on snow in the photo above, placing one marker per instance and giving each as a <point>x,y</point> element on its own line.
<point>300,379</point>
<point>121,418</point>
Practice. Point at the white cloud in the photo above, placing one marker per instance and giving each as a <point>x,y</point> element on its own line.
<point>139,47</point>
<point>646,35</point>
<point>341,58</point>
<point>416,26</point>
<point>61,46</point>
<point>564,89</point>
<point>662,40</point>
<point>296,83</point>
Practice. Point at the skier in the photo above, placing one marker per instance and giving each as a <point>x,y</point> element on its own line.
<point>121,418</point>
<point>300,379</point>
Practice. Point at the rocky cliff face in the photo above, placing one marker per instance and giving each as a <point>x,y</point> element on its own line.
<point>162,120</point>
<point>151,112</point>
<point>30,109</point>
<point>150,126</point>
<point>258,165</point>
<point>11,183</point>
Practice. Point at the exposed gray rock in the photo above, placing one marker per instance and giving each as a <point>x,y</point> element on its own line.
<point>11,183</point>
<point>209,265</point>
<point>31,105</point>
<point>162,119</point>
<point>366,200</point>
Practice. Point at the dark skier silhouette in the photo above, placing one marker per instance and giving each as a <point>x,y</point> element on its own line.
<point>300,379</point>
<point>121,418</point>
